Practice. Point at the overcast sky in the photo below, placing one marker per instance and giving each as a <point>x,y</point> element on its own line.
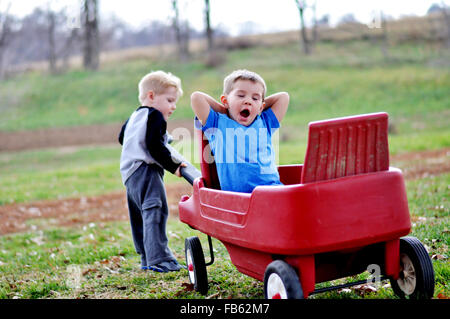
<point>267,15</point>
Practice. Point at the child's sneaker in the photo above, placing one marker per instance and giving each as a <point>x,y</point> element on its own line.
<point>157,268</point>
<point>166,266</point>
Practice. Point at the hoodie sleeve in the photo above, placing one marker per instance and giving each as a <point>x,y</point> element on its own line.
<point>156,128</point>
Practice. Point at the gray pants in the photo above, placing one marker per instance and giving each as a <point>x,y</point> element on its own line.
<point>147,206</point>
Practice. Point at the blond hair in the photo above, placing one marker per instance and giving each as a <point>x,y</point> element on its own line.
<point>242,75</point>
<point>158,82</point>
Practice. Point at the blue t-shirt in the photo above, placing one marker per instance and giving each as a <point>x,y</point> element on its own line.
<point>243,155</point>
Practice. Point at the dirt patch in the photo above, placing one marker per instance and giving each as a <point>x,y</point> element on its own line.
<point>422,155</point>
<point>423,164</point>
<point>112,207</point>
<point>78,211</point>
<point>71,136</point>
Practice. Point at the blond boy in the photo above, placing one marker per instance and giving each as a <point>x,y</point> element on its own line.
<point>239,129</point>
<point>144,157</point>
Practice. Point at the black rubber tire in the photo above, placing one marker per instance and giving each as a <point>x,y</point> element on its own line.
<point>194,248</point>
<point>288,277</point>
<point>422,270</point>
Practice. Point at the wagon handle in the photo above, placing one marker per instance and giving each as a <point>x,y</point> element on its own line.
<point>211,252</point>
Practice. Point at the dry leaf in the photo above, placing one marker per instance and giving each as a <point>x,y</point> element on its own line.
<point>364,289</point>
<point>89,270</point>
<point>187,287</point>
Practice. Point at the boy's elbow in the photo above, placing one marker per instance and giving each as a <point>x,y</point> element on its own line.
<point>284,96</point>
<point>198,102</point>
<point>195,96</point>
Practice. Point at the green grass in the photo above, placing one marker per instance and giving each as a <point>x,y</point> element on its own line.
<point>59,173</point>
<point>98,260</point>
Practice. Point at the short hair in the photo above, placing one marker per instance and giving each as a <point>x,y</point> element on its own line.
<point>158,82</point>
<point>243,75</point>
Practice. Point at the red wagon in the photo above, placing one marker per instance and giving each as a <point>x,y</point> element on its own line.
<point>340,211</point>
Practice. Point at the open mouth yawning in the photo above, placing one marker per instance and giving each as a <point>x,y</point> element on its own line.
<point>245,113</point>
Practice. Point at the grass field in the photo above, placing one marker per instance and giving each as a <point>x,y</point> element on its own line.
<point>97,260</point>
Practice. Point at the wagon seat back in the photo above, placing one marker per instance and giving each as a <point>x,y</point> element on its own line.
<point>207,163</point>
<point>346,146</point>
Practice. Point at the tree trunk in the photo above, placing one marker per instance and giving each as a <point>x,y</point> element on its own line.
<point>209,33</point>
<point>447,22</point>
<point>5,32</point>
<point>315,31</point>
<point>91,35</point>
<point>384,37</point>
<point>51,42</point>
<point>305,43</point>
<point>67,49</point>
<point>182,38</point>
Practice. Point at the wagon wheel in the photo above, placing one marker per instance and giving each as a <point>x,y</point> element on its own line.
<point>195,262</point>
<point>281,282</point>
<point>416,279</point>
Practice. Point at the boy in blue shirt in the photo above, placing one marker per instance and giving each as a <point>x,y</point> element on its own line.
<point>240,128</point>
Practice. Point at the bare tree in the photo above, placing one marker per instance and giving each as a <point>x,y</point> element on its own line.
<point>181,32</point>
<point>68,49</point>
<point>301,6</point>
<point>91,49</point>
<point>384,36</point>
<point>315,36</point>
<point>5,36</point>
<point>445,12</point>
<point>51,40</point>
<point>209,32</point>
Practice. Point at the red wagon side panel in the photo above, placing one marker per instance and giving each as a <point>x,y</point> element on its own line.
<point>304,218</point>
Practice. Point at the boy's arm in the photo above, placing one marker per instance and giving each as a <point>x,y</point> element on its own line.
<point>279,103</point>
<point>156,128</point>
<point>201,102</point>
